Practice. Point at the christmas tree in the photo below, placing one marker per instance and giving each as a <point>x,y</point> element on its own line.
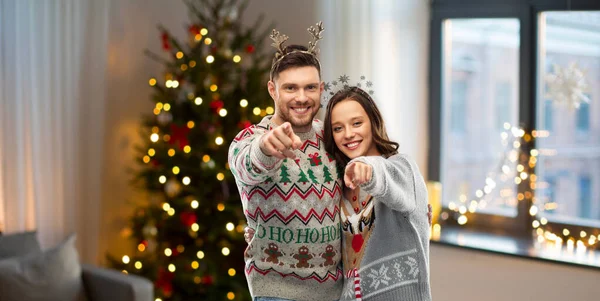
<point>189,232</point>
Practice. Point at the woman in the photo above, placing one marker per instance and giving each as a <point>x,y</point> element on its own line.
<point>385,239</point>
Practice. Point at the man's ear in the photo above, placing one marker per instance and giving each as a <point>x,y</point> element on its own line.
<point>322,87</point>
<point>272,89</point>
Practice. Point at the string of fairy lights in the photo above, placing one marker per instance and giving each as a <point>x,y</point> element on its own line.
<point>518,168</point>
<point>171,183</point>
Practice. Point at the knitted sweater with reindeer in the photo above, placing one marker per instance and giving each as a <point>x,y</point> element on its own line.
<point>293,205</point>
<point>385,238</point>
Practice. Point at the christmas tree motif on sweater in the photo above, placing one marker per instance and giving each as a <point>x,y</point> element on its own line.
<point>303,179</point>
<point>312,176</point>
<point>328,255</point>
<point>327,175</point>
<point>269,180</point>
<point>314,159</point>
<point>285,176</point>
<point>273,254</point>
<point>303,257</point>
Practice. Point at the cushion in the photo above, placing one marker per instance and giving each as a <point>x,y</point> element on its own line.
<point>18,244</point>
<point>51,275</point>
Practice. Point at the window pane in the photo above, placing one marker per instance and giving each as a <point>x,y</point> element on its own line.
<point>568,168</point>
<point>480,95</point>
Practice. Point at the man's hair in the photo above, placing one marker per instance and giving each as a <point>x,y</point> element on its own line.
<point>384,145</point>
<point>294,56</point>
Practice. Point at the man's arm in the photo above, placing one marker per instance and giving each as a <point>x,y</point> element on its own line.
<point>256,154</point>
<point>247,162</point>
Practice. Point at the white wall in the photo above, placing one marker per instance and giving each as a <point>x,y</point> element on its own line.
<point>456,274</point>
<point>467,275</point>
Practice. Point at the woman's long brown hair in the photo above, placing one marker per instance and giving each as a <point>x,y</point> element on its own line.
<point>384,145</point>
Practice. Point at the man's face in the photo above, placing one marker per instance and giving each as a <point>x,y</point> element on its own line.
<point>297,96</point>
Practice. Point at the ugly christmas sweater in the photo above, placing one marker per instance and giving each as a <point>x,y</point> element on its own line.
<point>293,205</point>
<point>385,240</point>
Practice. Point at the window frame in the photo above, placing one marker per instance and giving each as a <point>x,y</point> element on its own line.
<point>526,12</point>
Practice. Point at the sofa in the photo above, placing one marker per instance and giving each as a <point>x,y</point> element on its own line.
<point>28,273</point>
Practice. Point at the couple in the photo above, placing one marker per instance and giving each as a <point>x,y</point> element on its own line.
<point>337,212</point>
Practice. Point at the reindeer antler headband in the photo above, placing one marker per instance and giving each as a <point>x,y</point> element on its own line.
<point>279,39</point>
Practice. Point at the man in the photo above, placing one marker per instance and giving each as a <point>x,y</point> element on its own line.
<point>289,186</point>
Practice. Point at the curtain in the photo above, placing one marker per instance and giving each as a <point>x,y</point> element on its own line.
<point>387,41</point>
<point>52,75</point>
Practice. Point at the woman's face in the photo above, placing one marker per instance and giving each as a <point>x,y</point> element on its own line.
<point>351,129</point>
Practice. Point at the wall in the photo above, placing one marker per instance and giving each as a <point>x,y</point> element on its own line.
<point>467,275</point>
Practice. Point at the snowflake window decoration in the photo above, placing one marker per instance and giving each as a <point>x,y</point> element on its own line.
<point>566,86</point>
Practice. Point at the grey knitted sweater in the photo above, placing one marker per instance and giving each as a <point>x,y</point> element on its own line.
<point>385,239</point>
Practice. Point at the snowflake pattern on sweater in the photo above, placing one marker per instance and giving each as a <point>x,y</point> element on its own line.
<point>383,275</point>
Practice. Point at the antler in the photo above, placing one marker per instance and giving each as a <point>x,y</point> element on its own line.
<point>316,34</point>
<point>278,40</point>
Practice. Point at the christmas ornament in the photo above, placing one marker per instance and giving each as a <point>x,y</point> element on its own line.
<point>172,188</point>
<point>185,89</point>
<point>188,218</point>
<point>566,86</point>
<point>216,105</point>
<point>164,281</point>
<point>164,118</point>
<point>179,136</point>
<point>165,41</point>
<point>250,48</point>
<point>208,280</point>
<point>244,124</point>
<point>149,230</point>
<point>194,29</point>
<point>126,232</point>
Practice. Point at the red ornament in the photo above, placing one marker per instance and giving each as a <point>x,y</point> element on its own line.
<point>164,281</point>
<point>188,218</point>
<point>179,136</point>
<point>165,41</point>
<point>144,242</point>
<point>208,280</point>
<point>154,162</point>
<point>194,29</point>
<point>250,48</point>
<point>216,105</point>
<point>244,124</point>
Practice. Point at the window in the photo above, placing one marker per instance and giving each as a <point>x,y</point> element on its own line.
<point>496,64</point>
<point>548,115</point>
<point>583,117</point>
<point>458,102</point>
<point>479,104</point>
<point>571,42</point>
<point>503,98</point>
<point>585,198</point>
